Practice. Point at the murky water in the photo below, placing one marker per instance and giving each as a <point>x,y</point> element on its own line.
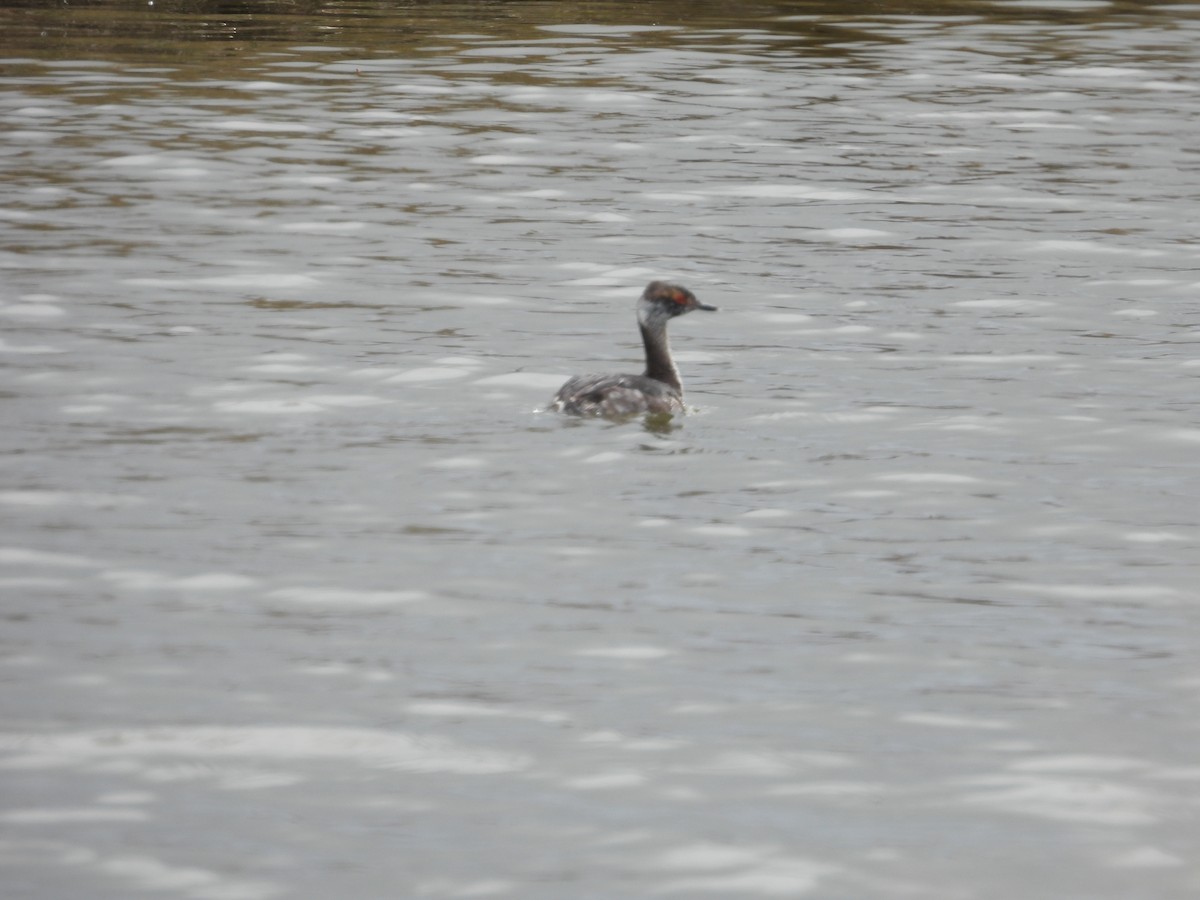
<point>305,598</point>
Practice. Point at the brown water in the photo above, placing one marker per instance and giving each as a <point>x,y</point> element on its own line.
<point>304,596</point>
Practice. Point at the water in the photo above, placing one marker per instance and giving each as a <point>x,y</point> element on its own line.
<point>305,597</point>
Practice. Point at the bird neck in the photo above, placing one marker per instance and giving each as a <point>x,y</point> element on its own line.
<point>659,364</point>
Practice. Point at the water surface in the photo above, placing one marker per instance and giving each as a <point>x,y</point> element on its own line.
<point>306,597</point>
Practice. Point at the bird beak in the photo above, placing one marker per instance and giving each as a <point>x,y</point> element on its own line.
<point>705,306</point>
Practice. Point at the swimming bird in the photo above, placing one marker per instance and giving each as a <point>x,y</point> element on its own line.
<point>658,389</point>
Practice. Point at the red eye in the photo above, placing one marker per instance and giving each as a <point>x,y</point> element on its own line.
<point>678,297</point>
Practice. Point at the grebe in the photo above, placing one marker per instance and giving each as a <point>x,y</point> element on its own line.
<point>659,390</point>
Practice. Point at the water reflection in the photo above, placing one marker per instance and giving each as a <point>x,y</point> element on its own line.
<point>184,31</point>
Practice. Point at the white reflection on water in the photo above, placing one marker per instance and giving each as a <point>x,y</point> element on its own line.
<point>372,748</point>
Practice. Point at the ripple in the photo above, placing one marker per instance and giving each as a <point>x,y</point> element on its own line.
<point>1085,800</point>
<point>928,478</point>
<point>334,597</point>
<point>249,124</point>
<point>256,280</point>
<point>533,380</point>
<point>371,748</point>
<point>26,556</point>
<point>1125,592</point>
<point>627,652</point>
<point>148,580</point>
<point>427,374</point>
<point>87,499</point>
<point>282,406</point>
<point>55,816</point>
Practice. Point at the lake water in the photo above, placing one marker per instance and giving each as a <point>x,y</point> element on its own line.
<point>305,596</point>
